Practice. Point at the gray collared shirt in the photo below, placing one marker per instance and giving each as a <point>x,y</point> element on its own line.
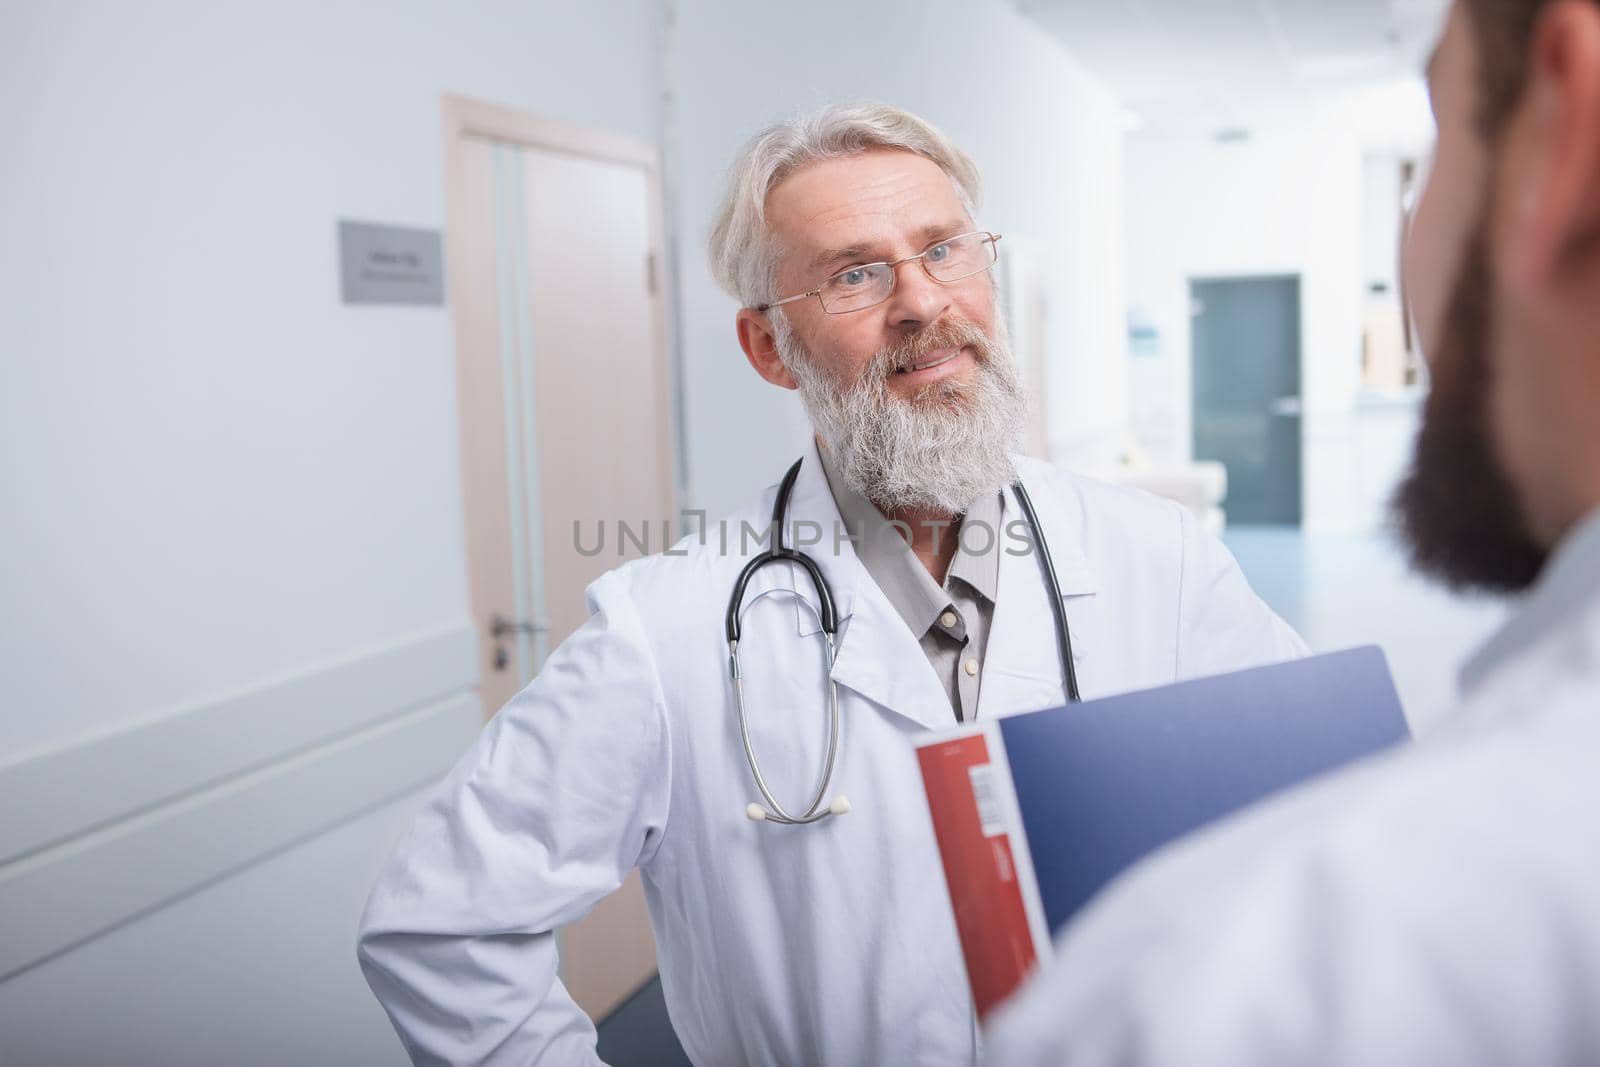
<point>950,622</point>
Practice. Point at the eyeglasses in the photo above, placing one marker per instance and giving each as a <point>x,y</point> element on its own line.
<point>858,288</point>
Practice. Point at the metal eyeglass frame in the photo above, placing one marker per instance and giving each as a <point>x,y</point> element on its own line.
<point>894,274</point>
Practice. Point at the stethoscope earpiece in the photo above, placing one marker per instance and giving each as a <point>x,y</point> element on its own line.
<point>840,806</point>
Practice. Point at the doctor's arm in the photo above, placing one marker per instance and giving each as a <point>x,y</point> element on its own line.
<point>564,792</point>
<point>1222,624</point>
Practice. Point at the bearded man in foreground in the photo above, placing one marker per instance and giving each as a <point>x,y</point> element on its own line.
<point>1439,904</point>
<point>848,237</point>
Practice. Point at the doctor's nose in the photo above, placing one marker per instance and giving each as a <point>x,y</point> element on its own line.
<point>917,300</point>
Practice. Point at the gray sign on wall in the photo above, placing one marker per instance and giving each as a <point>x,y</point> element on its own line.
<point>390,264</point>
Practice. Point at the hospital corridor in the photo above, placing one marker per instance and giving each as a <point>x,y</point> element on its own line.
<point>502,499</point>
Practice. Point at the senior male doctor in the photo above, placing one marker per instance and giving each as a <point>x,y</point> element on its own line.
<point>849,237</point>
<point>1441,905</point>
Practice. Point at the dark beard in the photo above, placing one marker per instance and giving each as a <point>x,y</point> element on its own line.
<point>1457,510</point>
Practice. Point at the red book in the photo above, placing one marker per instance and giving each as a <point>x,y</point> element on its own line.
<point>998,912</point>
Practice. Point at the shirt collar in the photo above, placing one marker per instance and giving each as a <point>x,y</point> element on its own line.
<point>915,596</point>
<point>977,559</point>
<point>1569,581</point>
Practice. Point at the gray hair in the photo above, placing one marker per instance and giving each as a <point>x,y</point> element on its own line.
<point>744,256</point>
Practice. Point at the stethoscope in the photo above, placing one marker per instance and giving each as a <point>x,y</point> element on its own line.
<point>816,811</point>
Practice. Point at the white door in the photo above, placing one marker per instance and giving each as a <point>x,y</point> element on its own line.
<point>565,415</point>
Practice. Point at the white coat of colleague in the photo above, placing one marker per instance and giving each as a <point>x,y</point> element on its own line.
<point>849,238</point>
<point>1439,905</point>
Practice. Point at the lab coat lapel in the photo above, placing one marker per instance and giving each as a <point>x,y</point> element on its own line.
<point>880,659</point>
<point>1022,671</point>
<point>876,655</point>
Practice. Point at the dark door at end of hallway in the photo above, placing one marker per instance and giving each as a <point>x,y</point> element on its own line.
<point>1247,392</point>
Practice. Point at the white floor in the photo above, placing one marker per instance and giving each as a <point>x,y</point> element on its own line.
<point>1357,590</point>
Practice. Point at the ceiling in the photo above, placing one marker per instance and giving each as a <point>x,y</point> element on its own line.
<point>1214,60</point>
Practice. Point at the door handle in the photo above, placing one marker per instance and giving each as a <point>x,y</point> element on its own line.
<point>501,628</point>
<point>1285,407</point>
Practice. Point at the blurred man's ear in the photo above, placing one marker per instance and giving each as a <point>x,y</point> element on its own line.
<point>761,347</point>
<point>1550,158</point>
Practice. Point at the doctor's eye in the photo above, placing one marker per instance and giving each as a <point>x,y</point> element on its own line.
<point>853,278</point>
<point>939,253</point>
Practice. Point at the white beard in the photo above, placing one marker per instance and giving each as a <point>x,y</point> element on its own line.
<point>939,450</point>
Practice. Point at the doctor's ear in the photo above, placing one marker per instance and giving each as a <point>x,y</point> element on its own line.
<point>761,347</point>
<point>1551,154</point>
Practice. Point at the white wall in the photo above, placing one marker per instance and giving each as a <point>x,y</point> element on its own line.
<point>1287,201</point>
<point>227,473</point>
<point>216,476</point>
<point>1381,193</point>
<point>1042,131</point>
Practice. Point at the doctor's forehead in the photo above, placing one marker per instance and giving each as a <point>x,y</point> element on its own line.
<point>872,203</point>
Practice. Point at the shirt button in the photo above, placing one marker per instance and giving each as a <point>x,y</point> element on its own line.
<point>971,668</point>
<point>948,620</point>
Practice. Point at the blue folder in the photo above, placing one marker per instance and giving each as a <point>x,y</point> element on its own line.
<point>1102,783</point>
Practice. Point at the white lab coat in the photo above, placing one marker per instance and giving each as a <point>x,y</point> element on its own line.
<point>1438,905</point>
<point>824,944</point>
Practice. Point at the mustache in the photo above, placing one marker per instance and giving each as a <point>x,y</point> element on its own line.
<point>916,347</point>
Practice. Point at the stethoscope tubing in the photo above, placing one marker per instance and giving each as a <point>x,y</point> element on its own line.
<point>775,811</point>
<point>827,621</point>
<point>1069,669</point>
